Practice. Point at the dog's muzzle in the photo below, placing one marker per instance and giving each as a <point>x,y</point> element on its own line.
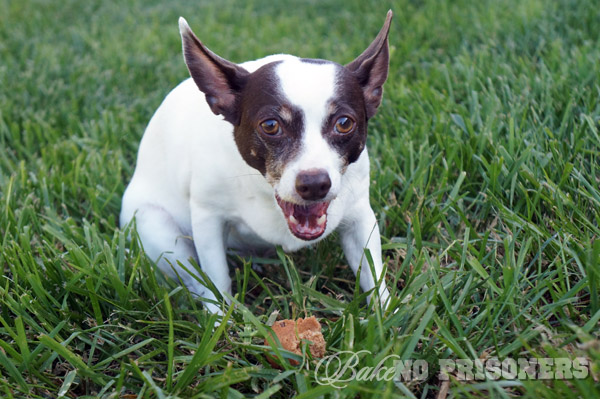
<point>307,222</point>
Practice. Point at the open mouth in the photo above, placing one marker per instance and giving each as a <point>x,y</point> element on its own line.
<point>306,222</point>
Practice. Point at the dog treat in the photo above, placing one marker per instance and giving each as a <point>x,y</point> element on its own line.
<point>291,333</point>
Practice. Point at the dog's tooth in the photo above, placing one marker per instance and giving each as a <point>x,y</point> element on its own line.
<point>293,219</point>
<point>321,220</point>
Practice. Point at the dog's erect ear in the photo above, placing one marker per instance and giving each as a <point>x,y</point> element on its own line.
<point>371,68</point>
<point>220,80</point>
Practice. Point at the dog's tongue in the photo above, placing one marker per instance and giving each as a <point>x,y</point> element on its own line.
<point>306,222</point>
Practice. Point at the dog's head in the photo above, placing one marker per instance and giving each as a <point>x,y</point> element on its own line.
<point>299,122</point>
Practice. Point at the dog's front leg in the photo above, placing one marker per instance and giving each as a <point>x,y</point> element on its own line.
<point>209,240</point>
<point>358,232</point>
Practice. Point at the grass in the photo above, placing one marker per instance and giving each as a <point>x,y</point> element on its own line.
<point>486,173</point>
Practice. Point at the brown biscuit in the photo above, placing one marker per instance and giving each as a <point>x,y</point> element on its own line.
<point>291,333</point>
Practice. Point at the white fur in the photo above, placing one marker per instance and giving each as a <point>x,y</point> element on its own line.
<point>312,95</point>
<point>194,196</point>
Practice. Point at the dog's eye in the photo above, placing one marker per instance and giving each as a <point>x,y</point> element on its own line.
<point>270,127</point>
<point>344,125</point>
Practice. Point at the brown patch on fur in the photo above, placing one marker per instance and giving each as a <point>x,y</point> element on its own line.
<point>348,101</point>
<point>261,100</point>
<point>286,114</point>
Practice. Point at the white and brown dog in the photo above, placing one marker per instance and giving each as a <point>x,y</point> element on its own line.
<point>285,164</point>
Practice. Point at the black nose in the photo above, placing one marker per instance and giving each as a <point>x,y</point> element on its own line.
<point>313,184</point>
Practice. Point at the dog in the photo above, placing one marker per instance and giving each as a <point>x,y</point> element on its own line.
<point>250,156</point>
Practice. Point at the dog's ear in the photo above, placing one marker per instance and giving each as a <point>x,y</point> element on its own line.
<point>220,80</point>
<point>371,68</point>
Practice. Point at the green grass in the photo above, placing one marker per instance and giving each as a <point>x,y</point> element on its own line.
<point>486,173</point>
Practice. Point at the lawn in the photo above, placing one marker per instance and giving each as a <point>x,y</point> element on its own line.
<point>485,171</point>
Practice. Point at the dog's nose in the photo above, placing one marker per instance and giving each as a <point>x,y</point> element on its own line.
<point>313,184</point>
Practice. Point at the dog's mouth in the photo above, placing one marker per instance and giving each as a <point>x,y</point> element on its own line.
<point>307,222</point>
